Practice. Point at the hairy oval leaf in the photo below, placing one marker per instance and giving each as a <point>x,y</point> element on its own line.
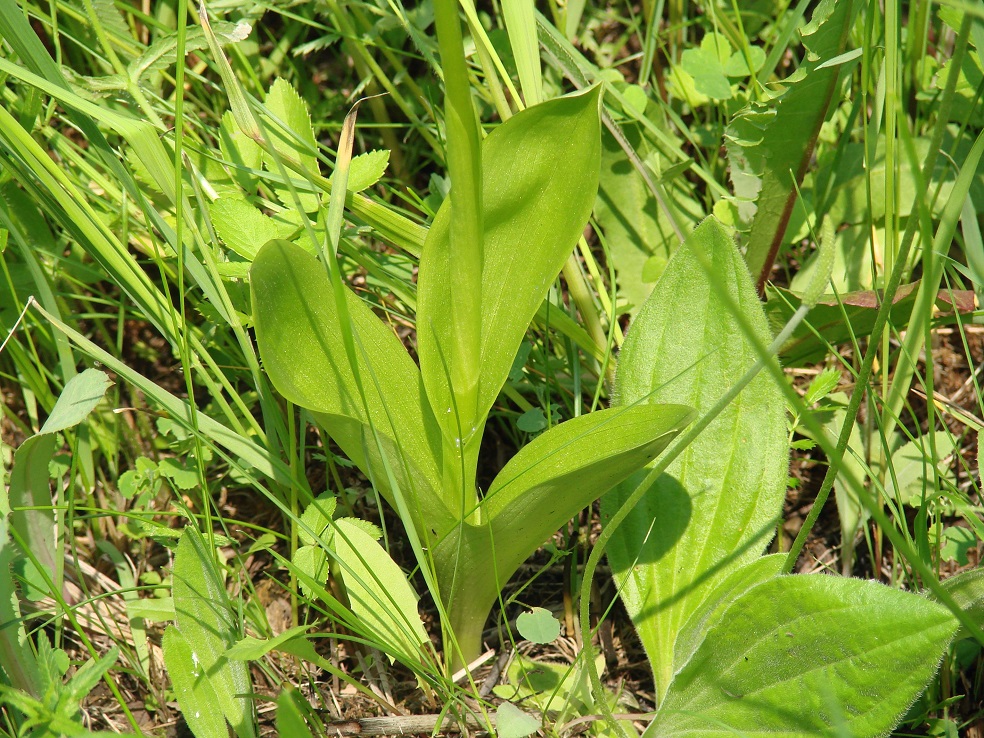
<point>804,655</point>
<point>715,507</point>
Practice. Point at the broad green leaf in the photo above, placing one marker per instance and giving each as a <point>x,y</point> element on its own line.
<point>540,175</point>
<point>716,506</point>
<point>511,722</point>
<point>196,696</point>
<point>244,228</point>
<point>378,592</point>
<point>711,613</point>
<point>302,349</point>
<point>562,471</point>
<point>538,625</point>
<point>292,136</point>
<point>367,169</point>
<point>808,655</point>
<point>770,146</point>
<point>204,618</point>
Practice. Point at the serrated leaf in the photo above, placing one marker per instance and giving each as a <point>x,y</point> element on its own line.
<point>162,53</point>
<point>716,506</point>
<point>379,594</point>
<point>367,169</point>
<point>538,625</point>
<point>805,655</point>
<point>205,623</point>
<point>313,562</point>
<point>317,518</point>
<point>822,385</point>
<point>243,228</point>
<point>292,136</point>
<point>511,722</point>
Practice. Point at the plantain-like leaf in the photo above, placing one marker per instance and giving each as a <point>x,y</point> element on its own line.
<point>808,655</point>
<point>542,486</point>
<point>203,614</point>
<point>715,507</point>
<point>301,345</point>
<point>540,176</point>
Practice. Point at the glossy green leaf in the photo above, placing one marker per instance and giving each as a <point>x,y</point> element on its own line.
<point>770,146</point>
<point>542,486</point>
<point>540,174</point>
<point>806,656</point>
<point>716,506</point>
<point>196,696</point>
<point>204,618</point>
<point>302,348</point>
<point>378,592</point>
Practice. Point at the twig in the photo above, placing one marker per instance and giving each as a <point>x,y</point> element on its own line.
<point>407,725</point>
